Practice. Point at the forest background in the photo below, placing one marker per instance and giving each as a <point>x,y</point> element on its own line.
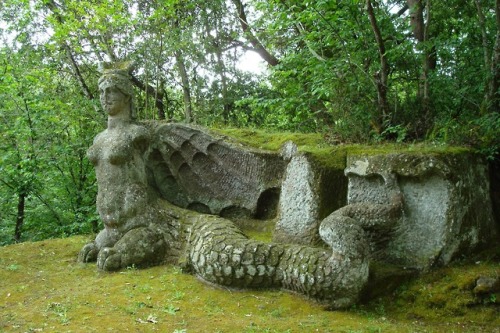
<point>358,71</point>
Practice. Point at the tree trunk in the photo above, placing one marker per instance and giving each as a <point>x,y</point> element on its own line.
<point>226,104</point>
<point>484,35</point>
<point>21,204</point>
<point>158,95</point>
<point>494,86</point>
<point>420,28</point>
<point>417,18</point>
<point>426,66</point>
<point>186,89</point>
<point>259,48</point>
<point>382,76</point>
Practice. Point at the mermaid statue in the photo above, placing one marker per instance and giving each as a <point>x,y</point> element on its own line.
<point>135,231</point>
<point>141,230</point>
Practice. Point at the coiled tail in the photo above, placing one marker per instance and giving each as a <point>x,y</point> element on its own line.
<point>220,253</point>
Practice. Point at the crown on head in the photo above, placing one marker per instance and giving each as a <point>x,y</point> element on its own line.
<point>117,74</point>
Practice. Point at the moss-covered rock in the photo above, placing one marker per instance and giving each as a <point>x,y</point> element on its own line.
<point>447,209</point>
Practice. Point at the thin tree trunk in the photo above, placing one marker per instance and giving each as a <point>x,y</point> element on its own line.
<point>259,48</point>
<point>494,86</point>
<point>226,105</point>
<point>158,95</point>
<point>484,35</point>
<point>159,85</point>
<point>186,89</point>
<point>420,28</point>
<point>78,73</point>
<point>21,204</point>
<point>426,65</point>
<point>383,75</point>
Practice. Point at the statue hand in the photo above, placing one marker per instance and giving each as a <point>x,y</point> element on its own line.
<point>88,253</point>
<point>109,259</point>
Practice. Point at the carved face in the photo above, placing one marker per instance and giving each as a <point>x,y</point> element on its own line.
<point>114,101</point>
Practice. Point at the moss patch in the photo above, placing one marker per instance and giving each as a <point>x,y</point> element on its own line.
<point>43,289</point>
<point>447,293</point>
<point>271,140</point>
<point>330,155</point>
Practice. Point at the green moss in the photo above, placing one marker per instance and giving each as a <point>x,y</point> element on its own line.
<point>271,140</point>
<point>49,291</point>
<point>318,147</point>
<point>445,295</point>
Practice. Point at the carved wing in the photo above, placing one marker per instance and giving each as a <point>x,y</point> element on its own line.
<point>195,169</point>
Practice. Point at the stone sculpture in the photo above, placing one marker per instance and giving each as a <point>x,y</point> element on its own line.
<point>220,253</point>
<point>446,212</point>
<point>418,210</point>
<point>136,231</point>
<point>394,204</point>
<point>205,173</point>
<point>309,192</point>
<point>139,231</point>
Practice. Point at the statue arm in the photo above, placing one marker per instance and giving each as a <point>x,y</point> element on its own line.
<point>141,138</point>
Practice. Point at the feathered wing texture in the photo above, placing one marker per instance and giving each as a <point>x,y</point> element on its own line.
<point>198,170</point>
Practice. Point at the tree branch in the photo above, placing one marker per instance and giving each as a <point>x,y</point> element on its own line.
<point>158,95</point>
<point>402,10</point>
<point>53,7</point>
<point>259,48</point>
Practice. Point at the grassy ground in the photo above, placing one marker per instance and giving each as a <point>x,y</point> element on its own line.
<point>43,289</point>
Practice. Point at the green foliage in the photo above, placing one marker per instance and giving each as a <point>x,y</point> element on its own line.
<point>481,132</point>
<point>325,82</point>
<point>43,152</point>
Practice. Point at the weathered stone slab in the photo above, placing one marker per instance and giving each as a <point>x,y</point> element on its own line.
<point>310,191</point>
<point>446,204</point>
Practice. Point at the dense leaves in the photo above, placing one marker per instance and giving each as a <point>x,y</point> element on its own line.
<point>46,181</point>
<point>358,70</point>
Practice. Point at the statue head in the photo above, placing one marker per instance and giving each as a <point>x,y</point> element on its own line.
<point>117,75</point>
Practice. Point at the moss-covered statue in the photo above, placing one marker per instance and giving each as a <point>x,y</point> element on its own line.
<point>403,209</point>
<point>136,232</point>
<point>140,229</point>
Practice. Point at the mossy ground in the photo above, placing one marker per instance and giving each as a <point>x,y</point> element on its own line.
<point>44,289</point>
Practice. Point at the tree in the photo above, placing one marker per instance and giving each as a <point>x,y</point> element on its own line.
<point>493,96</point>
<point>382,76</point>
<point>36,152</point>
<point>358,70</point>
<point>249,35</point>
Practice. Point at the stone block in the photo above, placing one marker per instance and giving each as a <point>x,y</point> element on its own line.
<point>447,209</point>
